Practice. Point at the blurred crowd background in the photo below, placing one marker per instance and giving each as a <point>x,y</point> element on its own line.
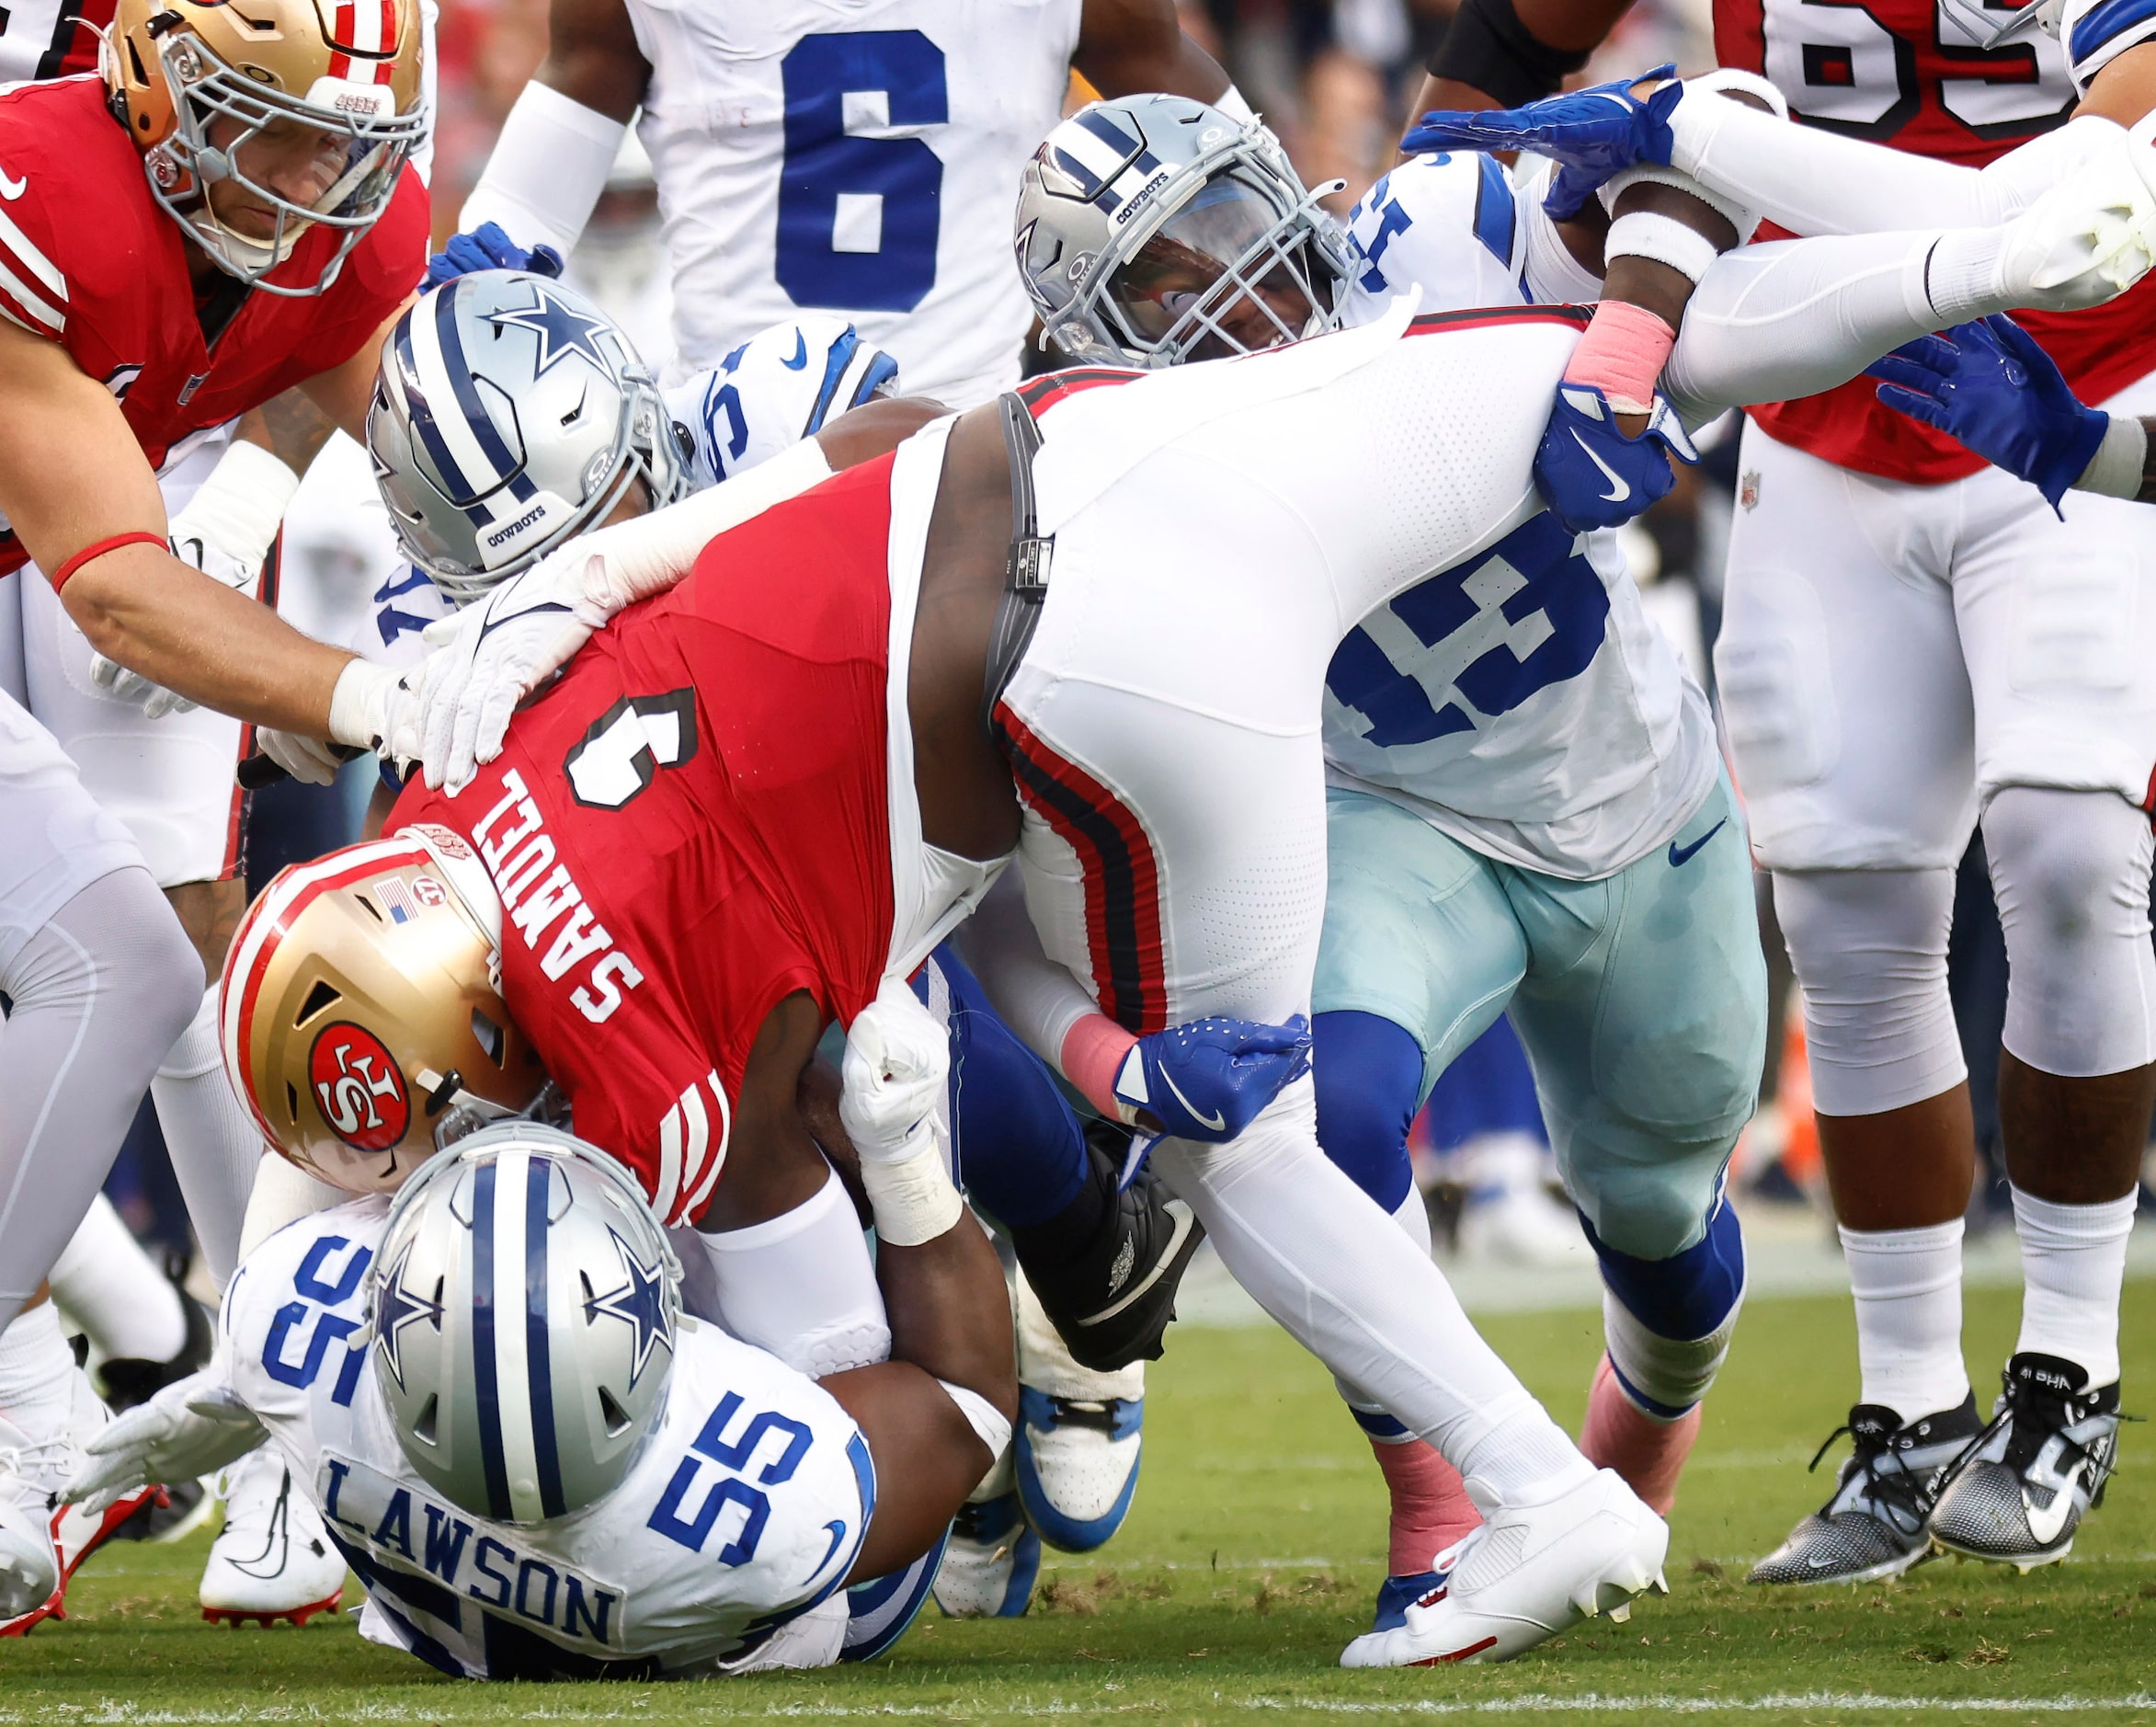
<point>1335,80</point>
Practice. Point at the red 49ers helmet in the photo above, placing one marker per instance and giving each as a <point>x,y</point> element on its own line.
<point>361,1010</point>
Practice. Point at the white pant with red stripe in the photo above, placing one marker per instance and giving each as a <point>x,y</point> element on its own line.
<point>1218,530</point>
<point>168,780</point>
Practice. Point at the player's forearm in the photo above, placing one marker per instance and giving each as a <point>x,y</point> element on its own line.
<point>1500,53</point>
<point>547,170</point>
<point>155,615</point>
<point>290,426</point>
<point>1127,46</point>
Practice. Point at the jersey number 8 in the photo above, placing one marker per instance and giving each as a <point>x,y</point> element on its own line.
<point>857,216</point>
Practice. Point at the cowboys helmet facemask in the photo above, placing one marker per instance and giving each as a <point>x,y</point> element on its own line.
<point>509,414</point>
<point>515,1234</point>
<point>1156,229</point>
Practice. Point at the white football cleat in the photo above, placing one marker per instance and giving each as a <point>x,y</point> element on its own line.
<point>992,1563</point>
<point>273,1560</point>
<point>1080,1434</point>
<point>1527,1573</point>
<point>36,1470</point>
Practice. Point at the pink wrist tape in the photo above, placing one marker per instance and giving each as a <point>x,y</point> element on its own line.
<point>1093,1052</point>
<point>1622,355</point>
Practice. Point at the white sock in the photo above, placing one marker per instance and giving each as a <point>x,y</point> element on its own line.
<point>1322,1258</point>
<point>36,1372</point>
<point>2072,1261</point>
<point>214,1143</point>
<point>1908,1290</point>
<point>1413,1216</point>
<point>115,1292</point>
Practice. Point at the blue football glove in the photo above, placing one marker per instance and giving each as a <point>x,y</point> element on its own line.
<point>1592,134</point>
<point>1591,475</point>
<point>488,247</point>
<point>1988,385</point>
<point>1208,1079</point>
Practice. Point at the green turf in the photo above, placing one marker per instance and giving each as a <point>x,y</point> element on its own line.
<point>1248,1562</point>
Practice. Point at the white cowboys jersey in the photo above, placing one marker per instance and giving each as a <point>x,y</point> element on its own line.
<point>745,1507</point>
<point>852,156</point>
<point>1522,703</point>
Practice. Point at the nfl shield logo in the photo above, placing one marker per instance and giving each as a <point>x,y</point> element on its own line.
<point>1748,490</point>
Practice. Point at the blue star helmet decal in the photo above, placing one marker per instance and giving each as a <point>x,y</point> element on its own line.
<point>395,1307</point>
<point>562,330</point>
<point>640,1304</point>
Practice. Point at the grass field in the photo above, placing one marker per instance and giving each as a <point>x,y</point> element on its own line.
<point>1250,1559</point>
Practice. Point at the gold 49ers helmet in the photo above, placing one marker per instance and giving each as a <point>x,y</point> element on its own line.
<point>361,1011</point>
<point>199,83</point>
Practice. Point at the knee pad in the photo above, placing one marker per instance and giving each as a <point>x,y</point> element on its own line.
<point>803,1287</point>
<point>1368,1073</point>
<point>1668,1321</point>
<point>1869,947</point>
<point>2071,873</point>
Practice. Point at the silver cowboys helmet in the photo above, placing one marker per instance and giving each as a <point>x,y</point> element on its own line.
<point>1154,229</point>
<point>524,1304</point>
<point>509,414</point>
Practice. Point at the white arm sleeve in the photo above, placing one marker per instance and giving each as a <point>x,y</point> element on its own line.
<point>1813,181</point>
<point>547,170</point>
<point>1036,997</point>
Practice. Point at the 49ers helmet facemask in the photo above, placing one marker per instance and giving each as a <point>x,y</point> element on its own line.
<point>361,1014</point>
<point>211,90</point>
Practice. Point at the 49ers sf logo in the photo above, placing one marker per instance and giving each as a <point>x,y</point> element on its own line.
<point>355,1082</point>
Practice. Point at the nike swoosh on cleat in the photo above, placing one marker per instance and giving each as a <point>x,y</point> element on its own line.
<point>1624,486</point>
<point>1682,855</point>
<point>12,190</point>
<point>1185,1221</point>
<point>1215,1121</point>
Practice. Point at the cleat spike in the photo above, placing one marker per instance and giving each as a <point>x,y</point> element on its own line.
<point>1621,1614</point>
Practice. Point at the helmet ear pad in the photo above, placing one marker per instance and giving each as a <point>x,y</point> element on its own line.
<point>523,1220</point>
<point>362,1013</point>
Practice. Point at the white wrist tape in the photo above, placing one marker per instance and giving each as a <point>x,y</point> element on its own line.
<point>1965,276</point>
<point>1231,102</point>
<point>634,559</point>
<point>547,170</point>
<point>240,504</point>
<point>2115,469</point>
<point>1650,234</point>
<point>911,1198</point>
<point>1727,80</point>
<point>356,703</point>
<point>1647,174</point>
<point>986,1421</point>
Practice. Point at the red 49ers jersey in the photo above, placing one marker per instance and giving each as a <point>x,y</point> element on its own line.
<point>693,824</point>
<point>1909,73</point>
<point>88,259</point>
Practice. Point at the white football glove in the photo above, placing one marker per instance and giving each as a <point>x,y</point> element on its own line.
<point>2092,237</point>
<point>897,1064</point>
<point>226,532</point>
<point>897,1067</point>
<point>299,756</point>
<point>191,1427</point>
<point>496,651</point>
<point>376,707</point>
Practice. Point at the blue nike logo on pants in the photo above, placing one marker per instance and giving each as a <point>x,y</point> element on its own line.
<point>1682,855</point>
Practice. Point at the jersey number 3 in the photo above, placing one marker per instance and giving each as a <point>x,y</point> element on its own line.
<point>858,215</point>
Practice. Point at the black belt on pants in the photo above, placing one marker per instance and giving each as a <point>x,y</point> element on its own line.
<point>1025,567</point>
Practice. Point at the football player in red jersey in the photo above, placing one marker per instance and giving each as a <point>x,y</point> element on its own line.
<point>223,214</point>
<point>1914,643</point>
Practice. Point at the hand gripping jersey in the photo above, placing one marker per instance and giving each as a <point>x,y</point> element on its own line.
<point>1522,702</point>
<point>88,260</point>
<point>857,159</point>
<point>747,1507</point>
<point>691,824</point>
<point>1913,74</point>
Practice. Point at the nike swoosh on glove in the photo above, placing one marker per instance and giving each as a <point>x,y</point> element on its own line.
<point>1207,1080</point>
<point>1591,475</point>
<point>488,247</point>
<point>193,1426</point>
<point>1989,387</point>
<point>1592,134</point>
